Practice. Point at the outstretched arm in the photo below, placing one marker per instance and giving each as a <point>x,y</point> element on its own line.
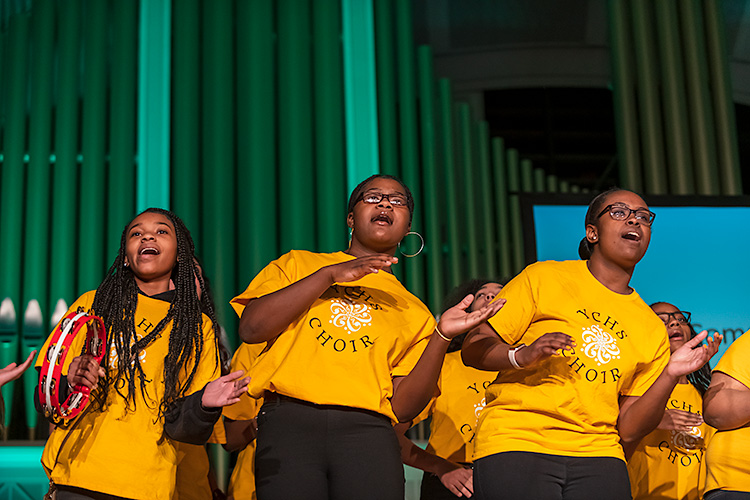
<point>412,392</point>
<point>639,415</point>
<point>266,317</point>
<point>726,404</point>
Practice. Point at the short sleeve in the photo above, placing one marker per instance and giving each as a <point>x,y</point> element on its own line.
<point>512,321</point>
<point>275,276</point>
<point>410,358</point>
<point>648,371</point>
<point>734,361</point>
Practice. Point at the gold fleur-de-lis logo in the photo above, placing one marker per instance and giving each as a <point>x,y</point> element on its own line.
<point>599,345</point>
<point>687,440</point>
<point>351,316</point>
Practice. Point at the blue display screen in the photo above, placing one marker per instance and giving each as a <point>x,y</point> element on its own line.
<point>697,260</point>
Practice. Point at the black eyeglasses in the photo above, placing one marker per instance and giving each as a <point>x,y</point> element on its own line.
<point>620,212</point>
<point>373,197</point>
<point>682,317</point>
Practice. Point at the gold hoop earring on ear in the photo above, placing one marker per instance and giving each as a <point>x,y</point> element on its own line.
<point>418,251</point>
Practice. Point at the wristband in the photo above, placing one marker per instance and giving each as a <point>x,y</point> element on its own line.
<point>54,360</point>
<point>512,356</point>
<point>437,330</point>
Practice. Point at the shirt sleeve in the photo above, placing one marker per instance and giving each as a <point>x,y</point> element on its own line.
<point>247,407</point>
<point>734,361</point>
<point>275,276</point>
<point>410,358</point>
<point>515,317</point>
<point>649,370</point>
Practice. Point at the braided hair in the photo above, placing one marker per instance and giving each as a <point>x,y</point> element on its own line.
<point>116,300</point>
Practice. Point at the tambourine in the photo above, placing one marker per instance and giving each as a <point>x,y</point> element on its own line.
<point>58,350</point>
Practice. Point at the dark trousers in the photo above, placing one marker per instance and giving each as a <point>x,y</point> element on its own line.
<point>73,493</point>
<point>726,495</point>
<point>316,452</point>
<point>537,476</point>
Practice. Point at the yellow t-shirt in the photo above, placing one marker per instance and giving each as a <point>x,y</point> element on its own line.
<point>118,451</point>
<point>670,464</point>
<point>242,482</point>
<point>455,411</point>
<point>349,345</point>
<point>568,404</point>
<point>727,458</point>
<point>191,479</point>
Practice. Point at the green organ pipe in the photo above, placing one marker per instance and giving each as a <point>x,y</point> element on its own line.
<point>185,190</point>
<point>36,245</point>
<point>553,183</point>
<point>623,96</point>
<point>64,225</point>
<point>702,123</point>
<point>219,236</point>
<point>360,90</point>
<point>91,263</point>
<point>467,169</point>
<point>488,239</point>
<point>540,181</point>
<point>386,83</point>
<point>527,176</point>
<point>676,129</point>
<point>514,209</point>
<point>295,161</point>
<point>430,170</point>
<point>721,86</point>
<point>11,204</point>
<point>121,182</point>
<point>154,73</point>
<point>329,125</point>
<point>501,204</point>
<point>258,237</point>
<point>655,178</point>
<point>447,153</point>
<point>413,267</point>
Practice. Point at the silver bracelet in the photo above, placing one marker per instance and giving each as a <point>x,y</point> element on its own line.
<point>512,356</point>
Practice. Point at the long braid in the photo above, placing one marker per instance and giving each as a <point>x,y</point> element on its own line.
<point>116,300</point>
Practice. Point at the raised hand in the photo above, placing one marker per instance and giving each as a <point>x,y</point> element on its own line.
<point>352,270</point>
<point>691,357</point>
<point>14,370</point>
<point>225,391</point>
<point>457,320</point>
<point>84,370</point>
<point>544,347</point>
<point>680,420</point>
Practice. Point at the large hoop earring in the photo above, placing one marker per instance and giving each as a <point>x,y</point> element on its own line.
<point>418,251</point>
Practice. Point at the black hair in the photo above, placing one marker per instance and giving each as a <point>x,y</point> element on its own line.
<point>457,295</point>
<point>359,191</point>
<point>586,248</point>
<point>700,378</point>
<point>116,300</point>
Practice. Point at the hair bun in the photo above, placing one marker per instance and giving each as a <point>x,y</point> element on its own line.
<point>585,249</point>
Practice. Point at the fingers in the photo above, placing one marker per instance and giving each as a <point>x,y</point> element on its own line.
<point>84,370</point>
<point>232,376</point>
<point>697,339</point>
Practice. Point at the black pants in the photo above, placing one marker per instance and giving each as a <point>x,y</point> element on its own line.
<point>536,476</point>
<point>726,495</point>
<point>315,452</point>
<point>73,493</point>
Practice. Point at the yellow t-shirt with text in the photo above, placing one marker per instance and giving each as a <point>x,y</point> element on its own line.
<point>727,458</point>
<point>455,411</point>
<point>568,404</point>
<point>671,464</point>
<point>119,451</point>
<point>346,348</point>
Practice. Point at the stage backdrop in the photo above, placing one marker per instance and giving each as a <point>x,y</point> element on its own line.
<point>697,259</point>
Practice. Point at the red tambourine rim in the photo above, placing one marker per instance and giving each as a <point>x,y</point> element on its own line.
<point>64,334</point>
